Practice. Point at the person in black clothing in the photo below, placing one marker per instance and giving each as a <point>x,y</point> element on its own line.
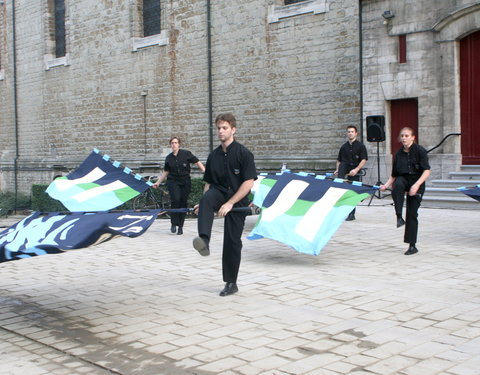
<point>229,176</point>
<point>351,159</point>
<point>410,170</point>
<point>177,173</point>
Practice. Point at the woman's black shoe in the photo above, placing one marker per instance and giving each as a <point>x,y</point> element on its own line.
<point>180,230</point>
<point>411,250</point>
<point>230,288</point>
<point>173,228</point>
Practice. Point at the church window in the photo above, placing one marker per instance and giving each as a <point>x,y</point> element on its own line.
<point>402,49</point>
<point>60,45</point>
<point>151,17</point>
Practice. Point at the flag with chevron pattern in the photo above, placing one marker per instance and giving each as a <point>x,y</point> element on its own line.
<point>98,184</point>
<point>303,211</point>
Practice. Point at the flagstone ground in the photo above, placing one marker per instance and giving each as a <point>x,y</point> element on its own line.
<point>150,305</point>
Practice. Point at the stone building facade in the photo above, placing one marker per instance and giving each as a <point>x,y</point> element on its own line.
<point>431,36</point>
<point>290,73</point>
<point>294,75</point>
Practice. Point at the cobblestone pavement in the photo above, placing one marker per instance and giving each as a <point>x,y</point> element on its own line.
<point>150,305</point>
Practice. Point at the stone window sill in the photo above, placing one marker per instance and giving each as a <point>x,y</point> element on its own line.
<point>153,40</point>
<point>51,62</point>
<point>277,13</point>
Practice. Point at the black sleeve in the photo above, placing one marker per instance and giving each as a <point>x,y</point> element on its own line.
<point>207,175</point>
<point>192,159</point>
<point>363,153</point>
<point>249,171</point>
<point>166,167</point>
<point>394,166</point>
<point>423,159</point>
<point>339,157</point>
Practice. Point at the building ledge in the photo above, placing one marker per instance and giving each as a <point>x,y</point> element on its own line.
<point>276,13</point>
<point>153,40</point>
<point>51,61</point>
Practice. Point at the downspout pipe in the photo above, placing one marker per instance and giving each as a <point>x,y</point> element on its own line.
<point>210,85</point>
<point>360,64</point>
<point>15,105</point>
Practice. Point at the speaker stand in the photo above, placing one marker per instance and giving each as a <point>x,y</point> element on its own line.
<point>379,183</point>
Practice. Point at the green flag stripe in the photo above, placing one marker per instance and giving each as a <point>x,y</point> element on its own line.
<point>299,208</point>
<point>126,193</point>
<point>268,181</point>
<point>351,198</point>
<point>87,185</point>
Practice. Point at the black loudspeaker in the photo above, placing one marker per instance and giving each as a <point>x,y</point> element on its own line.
<point>375,128</point>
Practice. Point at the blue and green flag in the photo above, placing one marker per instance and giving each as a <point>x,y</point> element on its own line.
<point>304,211</point>
<point>98,184</point>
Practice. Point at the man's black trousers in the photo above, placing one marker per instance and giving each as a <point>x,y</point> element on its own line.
<point>179,192</point>
<point>345,168</point>
<point>401,186</point>
<point>211,201</point>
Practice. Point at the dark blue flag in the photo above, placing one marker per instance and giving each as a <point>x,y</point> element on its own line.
<point>53,233</point>
<point>472,192</point>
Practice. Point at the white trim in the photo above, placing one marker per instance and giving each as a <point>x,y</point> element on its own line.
<point>276,13</point>
<point>51,62</point>
<point>2,74</point>
<point>153,40</point>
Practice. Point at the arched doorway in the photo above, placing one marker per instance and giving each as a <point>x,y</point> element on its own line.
<point>470,98</point>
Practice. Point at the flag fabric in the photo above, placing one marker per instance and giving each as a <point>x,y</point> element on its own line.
<point>304,211</point>
<point>53,233</point>
<point>262,186</point>
<point>98,184</point>
<point>472,192</point>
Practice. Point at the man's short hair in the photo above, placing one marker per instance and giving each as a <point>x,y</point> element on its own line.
<point>227,117</point>
<point>352,127</point>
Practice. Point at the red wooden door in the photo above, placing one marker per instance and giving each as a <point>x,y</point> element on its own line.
<point>470,98</point>
<point>404,112</point>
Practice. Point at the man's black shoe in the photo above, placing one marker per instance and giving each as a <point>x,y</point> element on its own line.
<point>180,230</point>
<point>230,288</point>
<point>350,217</point>
<point>400,222</point>
<point>411,250</point>
<point>173,228</point>
<point>201,245</point>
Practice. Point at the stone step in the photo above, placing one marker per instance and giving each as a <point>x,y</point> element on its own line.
<point>474,168</point>
<point>443,192</point>
<point>453,183</point>
<point>458,203</point>
<point>465,175</point>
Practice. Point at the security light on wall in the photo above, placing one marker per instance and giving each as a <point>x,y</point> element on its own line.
<point>388,14</point>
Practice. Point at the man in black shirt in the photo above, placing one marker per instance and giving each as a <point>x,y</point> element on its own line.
<point>229,176</point>
<point>351,159</point>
